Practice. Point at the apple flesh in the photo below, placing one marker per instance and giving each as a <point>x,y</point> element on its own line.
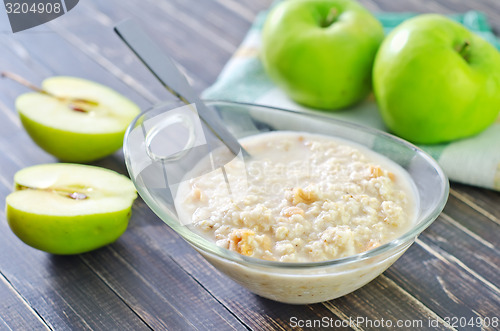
<point>70,128</point>
<point>321,52</point>
<point>69,208</point>
<point>435,81</point>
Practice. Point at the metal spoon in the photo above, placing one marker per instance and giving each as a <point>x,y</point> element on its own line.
<point>164,69</point>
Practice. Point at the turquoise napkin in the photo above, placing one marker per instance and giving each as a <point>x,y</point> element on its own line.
<point>474,161</point>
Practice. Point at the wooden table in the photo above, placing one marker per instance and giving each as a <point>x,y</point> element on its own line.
<point>150,278</point>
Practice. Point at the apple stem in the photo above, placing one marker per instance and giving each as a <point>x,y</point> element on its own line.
<point>24,82</point>
<point>463,48</point>
<point>35,88</point>
<point>332,15</point>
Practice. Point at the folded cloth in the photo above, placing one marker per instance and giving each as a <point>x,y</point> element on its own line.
<point>474,161</point>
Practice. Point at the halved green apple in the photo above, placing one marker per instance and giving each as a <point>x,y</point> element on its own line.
<point>65,208</point>
<point>84,122</point>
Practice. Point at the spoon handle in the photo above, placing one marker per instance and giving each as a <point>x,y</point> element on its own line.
<point>164,69</point>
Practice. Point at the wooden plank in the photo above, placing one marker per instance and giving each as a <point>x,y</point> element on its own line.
<point>146,277</point>
<point>426,6</point>
<point>242,10</point>
<point>483,201</point>
<point>401,310</point>
<point>77,304</point>
<point>152,306</point>
<point>417,6</point>
<point>110,52</point>
<point>16,313</point>
<point>69,61</point>
<point>246,7</point>
<point>166,282</point>
<point>156,289</point>
<point>4,23</point>
<point>440,282</point>
<point>489,7</point>
<point>17,57</point>
<point>474,219</point>
<point>170,35</point>
<point>400,304</point>
<point>118,55</point>
<point>149,254</point>
<point>48,284</point>
<point>364,303</point>
<point>208,19</point>
<point>254,311</point>
<point>470,249</point>
<point>236,285</point>
<point>195,45</point>
<point>64,292</point>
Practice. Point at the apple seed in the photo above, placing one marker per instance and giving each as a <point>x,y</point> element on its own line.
<point>77,196</point>
<point>76,108</point>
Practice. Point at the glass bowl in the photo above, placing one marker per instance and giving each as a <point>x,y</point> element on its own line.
<point>295,283</point>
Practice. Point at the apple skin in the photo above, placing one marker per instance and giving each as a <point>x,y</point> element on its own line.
<point>427,92</point>
<point>42,214</point>
<point>74,136</point>
<point>68,234</point>
<point>72,146</point>
<point>321,67</point>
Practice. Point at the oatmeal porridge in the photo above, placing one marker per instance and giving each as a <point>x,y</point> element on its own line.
<point>300,198</point>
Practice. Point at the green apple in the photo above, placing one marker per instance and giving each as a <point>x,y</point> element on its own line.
<point>321,52</point>
<point>66,208</point>
<point>435,81</point>
<point>85,122</point>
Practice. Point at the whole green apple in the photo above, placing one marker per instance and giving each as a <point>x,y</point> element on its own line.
<point>321,52</point>
<point>69,208</point>
<point>71,129</point>
<point>435,81</point>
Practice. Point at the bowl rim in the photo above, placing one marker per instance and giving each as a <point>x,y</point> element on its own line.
<point>207,246</point>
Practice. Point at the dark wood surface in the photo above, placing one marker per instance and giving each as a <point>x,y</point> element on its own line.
<point>150,278</point>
